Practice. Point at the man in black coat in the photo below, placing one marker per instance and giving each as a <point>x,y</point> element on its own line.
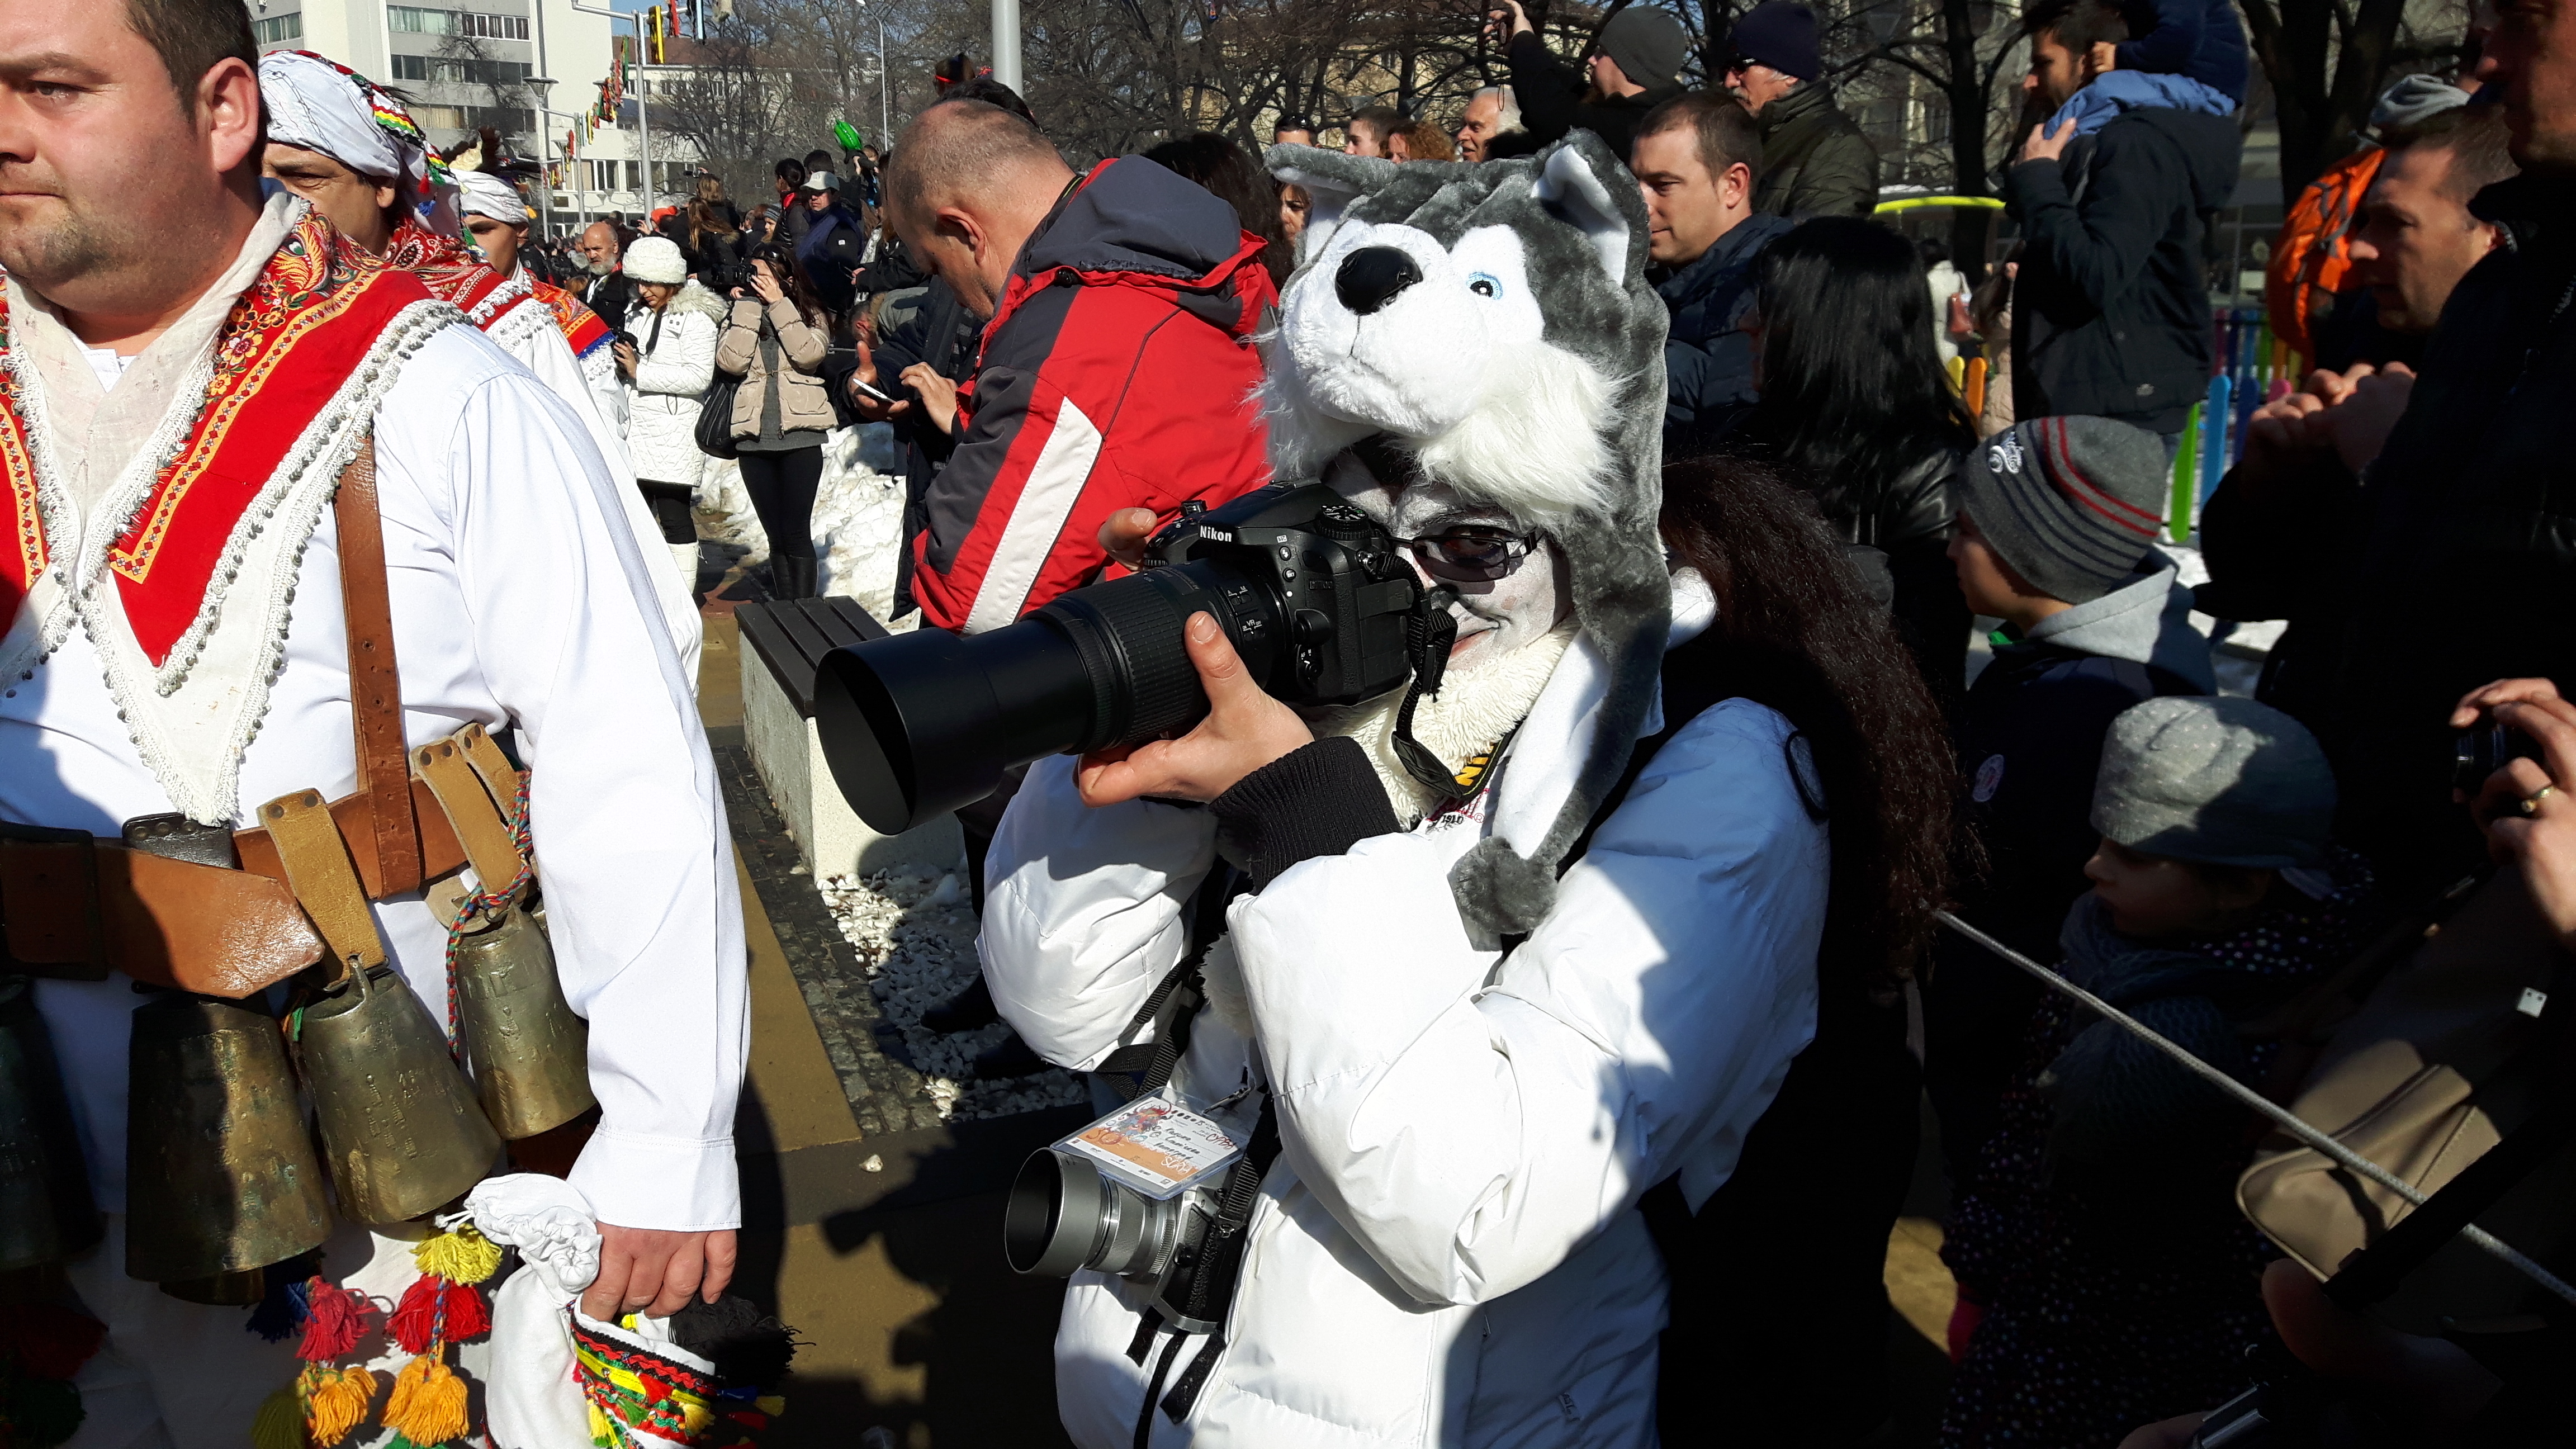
<point>2111,309</point>
<point>2452,562</point>
<point>1695,158</point>
<point>1629,71</point>
<point>1815,161</point>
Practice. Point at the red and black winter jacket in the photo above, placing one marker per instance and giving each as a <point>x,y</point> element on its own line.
<point>1118,372</point>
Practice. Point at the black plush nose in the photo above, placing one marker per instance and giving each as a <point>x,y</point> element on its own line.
<point>1371,276</point>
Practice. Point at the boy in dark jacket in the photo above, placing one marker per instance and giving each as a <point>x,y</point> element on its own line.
<point>2057,533</point>
<point>2106,1278</point>
<point>2110,310</point>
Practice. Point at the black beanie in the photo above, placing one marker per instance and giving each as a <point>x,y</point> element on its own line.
<point>1777,34</point>
<point>1648,46</point>
<point>2071,504</point>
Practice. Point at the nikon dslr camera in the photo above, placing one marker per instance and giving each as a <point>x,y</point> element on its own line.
<point>1319,602</point>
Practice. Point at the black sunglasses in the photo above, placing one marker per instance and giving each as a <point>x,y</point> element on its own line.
<point>1471,554</point>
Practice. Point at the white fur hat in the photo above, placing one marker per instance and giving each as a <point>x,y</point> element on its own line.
<point>656,259</point>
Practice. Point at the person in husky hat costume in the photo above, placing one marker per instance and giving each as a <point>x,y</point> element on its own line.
<point>1455,1068</point>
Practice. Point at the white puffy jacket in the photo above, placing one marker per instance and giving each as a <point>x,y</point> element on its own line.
<point>1448,1250</point>
<point>671,378</point>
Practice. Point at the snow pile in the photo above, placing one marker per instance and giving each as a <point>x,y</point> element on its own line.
<point>915,934</point>
<point>858,525</point>
<point>724,512</point>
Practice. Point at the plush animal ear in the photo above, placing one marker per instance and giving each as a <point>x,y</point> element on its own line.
<point>1572,188</point>
<point>1333,181</point>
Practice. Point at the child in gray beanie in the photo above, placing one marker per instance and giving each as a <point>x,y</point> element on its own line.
<point>2099,1239</point>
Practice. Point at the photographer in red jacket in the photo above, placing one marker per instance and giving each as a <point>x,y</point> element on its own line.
<point>1117,368</point>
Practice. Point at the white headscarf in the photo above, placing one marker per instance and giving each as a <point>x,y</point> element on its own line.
<point>480,193</point>
<point>318,104</point>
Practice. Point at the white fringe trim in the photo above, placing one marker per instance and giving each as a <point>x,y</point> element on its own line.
<point>292,500</point>
<point>47,597</point>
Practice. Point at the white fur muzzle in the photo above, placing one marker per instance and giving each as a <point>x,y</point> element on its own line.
<point>1455,366</point>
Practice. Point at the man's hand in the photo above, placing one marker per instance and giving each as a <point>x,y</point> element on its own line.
<point>2044,145</point>
<point>1245,729</point>
<point>2105,57</point>
<point>653,1272</point>
<point>1505,21</point>
<point>2363,420</point>
<point>868,407</point>
<point>2538,843</point>
<point>938,395</point>
<point>1125,534</point>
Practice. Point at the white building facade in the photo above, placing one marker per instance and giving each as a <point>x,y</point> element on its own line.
<point>463,69</point>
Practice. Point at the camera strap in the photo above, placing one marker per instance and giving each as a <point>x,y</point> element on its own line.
<point>1143,1067</point>
<point>1430,631</point>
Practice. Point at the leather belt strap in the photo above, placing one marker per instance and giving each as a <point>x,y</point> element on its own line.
<point>375,685</point>
<point>499,775</point>
<point>167,922</point>
<point>325,884</point>
<point>479,827</point>
<point>396,834</point>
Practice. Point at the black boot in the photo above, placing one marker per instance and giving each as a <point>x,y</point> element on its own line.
<point>794,576</point>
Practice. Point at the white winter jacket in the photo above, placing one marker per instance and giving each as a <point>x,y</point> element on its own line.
<point>672,373</point>
<point>1448,1250</point>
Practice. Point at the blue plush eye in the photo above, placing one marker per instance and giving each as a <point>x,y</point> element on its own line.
<point>1485,284</point>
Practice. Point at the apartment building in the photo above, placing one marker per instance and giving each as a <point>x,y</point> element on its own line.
<point>526,68</point>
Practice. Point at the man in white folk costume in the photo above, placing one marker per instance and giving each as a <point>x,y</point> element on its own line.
<point>283,525</point>
<point>342,143</point>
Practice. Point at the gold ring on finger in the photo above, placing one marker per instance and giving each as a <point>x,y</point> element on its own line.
<point>2531,803</point>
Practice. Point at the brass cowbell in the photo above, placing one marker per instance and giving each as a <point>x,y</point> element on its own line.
<point>400,1130</point>
<point>46,1213</point>
<point>219,1174</point>
<point>528,1052</point>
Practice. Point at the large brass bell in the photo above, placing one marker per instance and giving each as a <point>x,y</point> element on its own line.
<point>220,1177</point>
<point>400,1130</point>
<point>46,1213</point>
<point>528,1052</point>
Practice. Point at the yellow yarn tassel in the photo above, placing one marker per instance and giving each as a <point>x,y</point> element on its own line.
<point>428,1402</point>
<point>280,1424</point>
<point>463,1256</point>
<point>602,1431</point>
<point>335,1400</point>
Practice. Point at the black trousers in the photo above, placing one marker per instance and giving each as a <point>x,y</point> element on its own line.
<point>782,487</point>
<point>1779,1299</point>
<point>670,503</point>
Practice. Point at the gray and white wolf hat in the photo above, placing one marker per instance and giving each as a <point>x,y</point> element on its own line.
<point>1492,326</point>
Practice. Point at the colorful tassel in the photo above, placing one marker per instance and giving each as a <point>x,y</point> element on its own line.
<point>335,1400</point>
<point>280,1424</point>
<point>428,1402</point>
<point>334,1320</point>
<point>462,1256</point>
<point>435,1311</point>
<point>280,1315</point>
<point>48,1340</point>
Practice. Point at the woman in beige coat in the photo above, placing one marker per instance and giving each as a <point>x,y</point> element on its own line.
<point>775,340</point>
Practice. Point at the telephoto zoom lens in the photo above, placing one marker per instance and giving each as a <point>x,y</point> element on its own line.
<point>1063,1215</point>
<point>916,725</point>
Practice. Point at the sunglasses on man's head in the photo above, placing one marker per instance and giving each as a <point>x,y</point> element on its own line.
<point>1471,553</point>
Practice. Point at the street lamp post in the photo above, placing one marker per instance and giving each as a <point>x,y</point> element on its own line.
<point>541,86</point>
<point>580,193</point>
<point>1006,44</point>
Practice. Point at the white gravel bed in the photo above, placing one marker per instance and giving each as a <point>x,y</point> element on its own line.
<point>915,933</point>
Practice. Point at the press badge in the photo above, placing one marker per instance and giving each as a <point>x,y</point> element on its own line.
<point>1158,1148</point>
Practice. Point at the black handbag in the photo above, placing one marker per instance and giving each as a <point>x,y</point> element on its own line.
<point>715,417</point>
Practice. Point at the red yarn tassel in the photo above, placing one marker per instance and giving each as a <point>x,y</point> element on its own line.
<point>50,1341</point>
<point>335,1320</point>
<point>434,1310</point>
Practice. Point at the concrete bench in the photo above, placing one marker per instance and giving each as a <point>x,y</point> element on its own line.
<point>785,642</point>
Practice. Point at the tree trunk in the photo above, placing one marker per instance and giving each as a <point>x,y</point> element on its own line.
<point>1966,96</point>
<point>2319,118</point>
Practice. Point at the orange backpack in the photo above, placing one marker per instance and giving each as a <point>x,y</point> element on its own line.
<point>2313,252</point>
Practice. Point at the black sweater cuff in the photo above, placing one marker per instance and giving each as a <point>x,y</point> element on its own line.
<point>1318,799</point>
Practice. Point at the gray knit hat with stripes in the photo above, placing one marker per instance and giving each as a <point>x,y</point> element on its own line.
<point>2071,504</point>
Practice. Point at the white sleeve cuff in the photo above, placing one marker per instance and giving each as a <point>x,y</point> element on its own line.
<point>677,1184</point>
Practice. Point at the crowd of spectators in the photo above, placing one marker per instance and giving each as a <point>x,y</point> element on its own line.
<point>2201,859</point>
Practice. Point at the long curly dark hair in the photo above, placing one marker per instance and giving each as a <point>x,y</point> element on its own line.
<point>1853,392</point>
<point>1795,631</point>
